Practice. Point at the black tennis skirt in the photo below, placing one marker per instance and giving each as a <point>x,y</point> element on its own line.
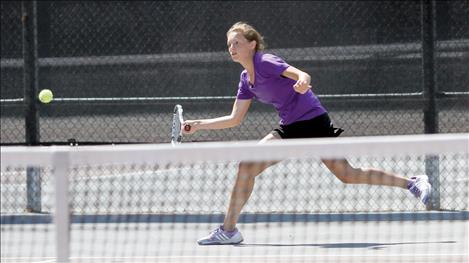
<point>320,126</point>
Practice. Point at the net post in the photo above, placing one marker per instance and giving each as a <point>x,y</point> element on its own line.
<point>430,113</point>
<point>60,162</point>
<point>432,168</point>
<point>30,71</point>
<point>33,189</point>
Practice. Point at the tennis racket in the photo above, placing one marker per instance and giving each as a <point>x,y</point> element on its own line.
<point>178,120</point>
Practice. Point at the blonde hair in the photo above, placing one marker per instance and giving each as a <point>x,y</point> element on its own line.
<point>249,32</point>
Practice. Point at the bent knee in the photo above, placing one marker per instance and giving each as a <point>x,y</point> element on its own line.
<point>250,169</point>
<point>344,178</point>
<point>253,168</point>
<point>343,171</point>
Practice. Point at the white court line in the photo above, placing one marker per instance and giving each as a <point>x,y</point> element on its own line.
<point>277,256</point>
<point>252,256</point>
<point>28,259</point>
<point>316,257</point>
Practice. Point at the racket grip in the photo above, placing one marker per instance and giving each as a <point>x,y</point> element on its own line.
<point>187,127</point>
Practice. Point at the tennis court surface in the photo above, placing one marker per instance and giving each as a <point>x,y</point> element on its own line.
<point>150,203</point>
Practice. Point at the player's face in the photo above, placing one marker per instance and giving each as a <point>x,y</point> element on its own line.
<point>239,47</point>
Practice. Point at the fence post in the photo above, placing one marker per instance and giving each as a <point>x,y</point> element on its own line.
<point>33,189</point>
<point>430,113</point>
<point>30,71</point>
<point>30,89</point>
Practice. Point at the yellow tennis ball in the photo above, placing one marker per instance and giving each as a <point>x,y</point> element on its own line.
<point>46,96</point>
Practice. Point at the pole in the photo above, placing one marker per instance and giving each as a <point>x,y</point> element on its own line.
<point>430,113</point>
<point>30,71</point>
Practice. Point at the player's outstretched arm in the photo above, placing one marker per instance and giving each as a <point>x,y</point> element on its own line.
<point>240,108</point>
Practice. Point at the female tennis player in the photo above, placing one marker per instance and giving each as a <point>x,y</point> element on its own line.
<point>269,79</point>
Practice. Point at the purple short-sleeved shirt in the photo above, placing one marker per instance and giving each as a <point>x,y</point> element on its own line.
<point>272,88</point>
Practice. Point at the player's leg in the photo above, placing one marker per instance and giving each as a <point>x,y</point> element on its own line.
<point>244,184</point>
<point>341,168</point>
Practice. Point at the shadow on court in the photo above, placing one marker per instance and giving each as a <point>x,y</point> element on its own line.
<point>375,246</point>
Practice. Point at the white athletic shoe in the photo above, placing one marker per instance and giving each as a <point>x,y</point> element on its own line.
<point>420,188</point>
<point>221,237</point>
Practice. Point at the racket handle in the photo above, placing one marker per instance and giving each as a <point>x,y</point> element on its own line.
<point>187,127</point>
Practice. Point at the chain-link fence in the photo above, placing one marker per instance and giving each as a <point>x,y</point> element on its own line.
<point>118,68</point>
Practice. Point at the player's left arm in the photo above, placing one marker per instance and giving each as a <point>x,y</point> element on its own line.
<point>303,79</point>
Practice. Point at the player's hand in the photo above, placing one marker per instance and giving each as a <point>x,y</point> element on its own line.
<point>301,86</point>
<point>189,127</point>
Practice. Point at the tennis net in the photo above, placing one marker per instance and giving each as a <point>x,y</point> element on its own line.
<point>150,203</point>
